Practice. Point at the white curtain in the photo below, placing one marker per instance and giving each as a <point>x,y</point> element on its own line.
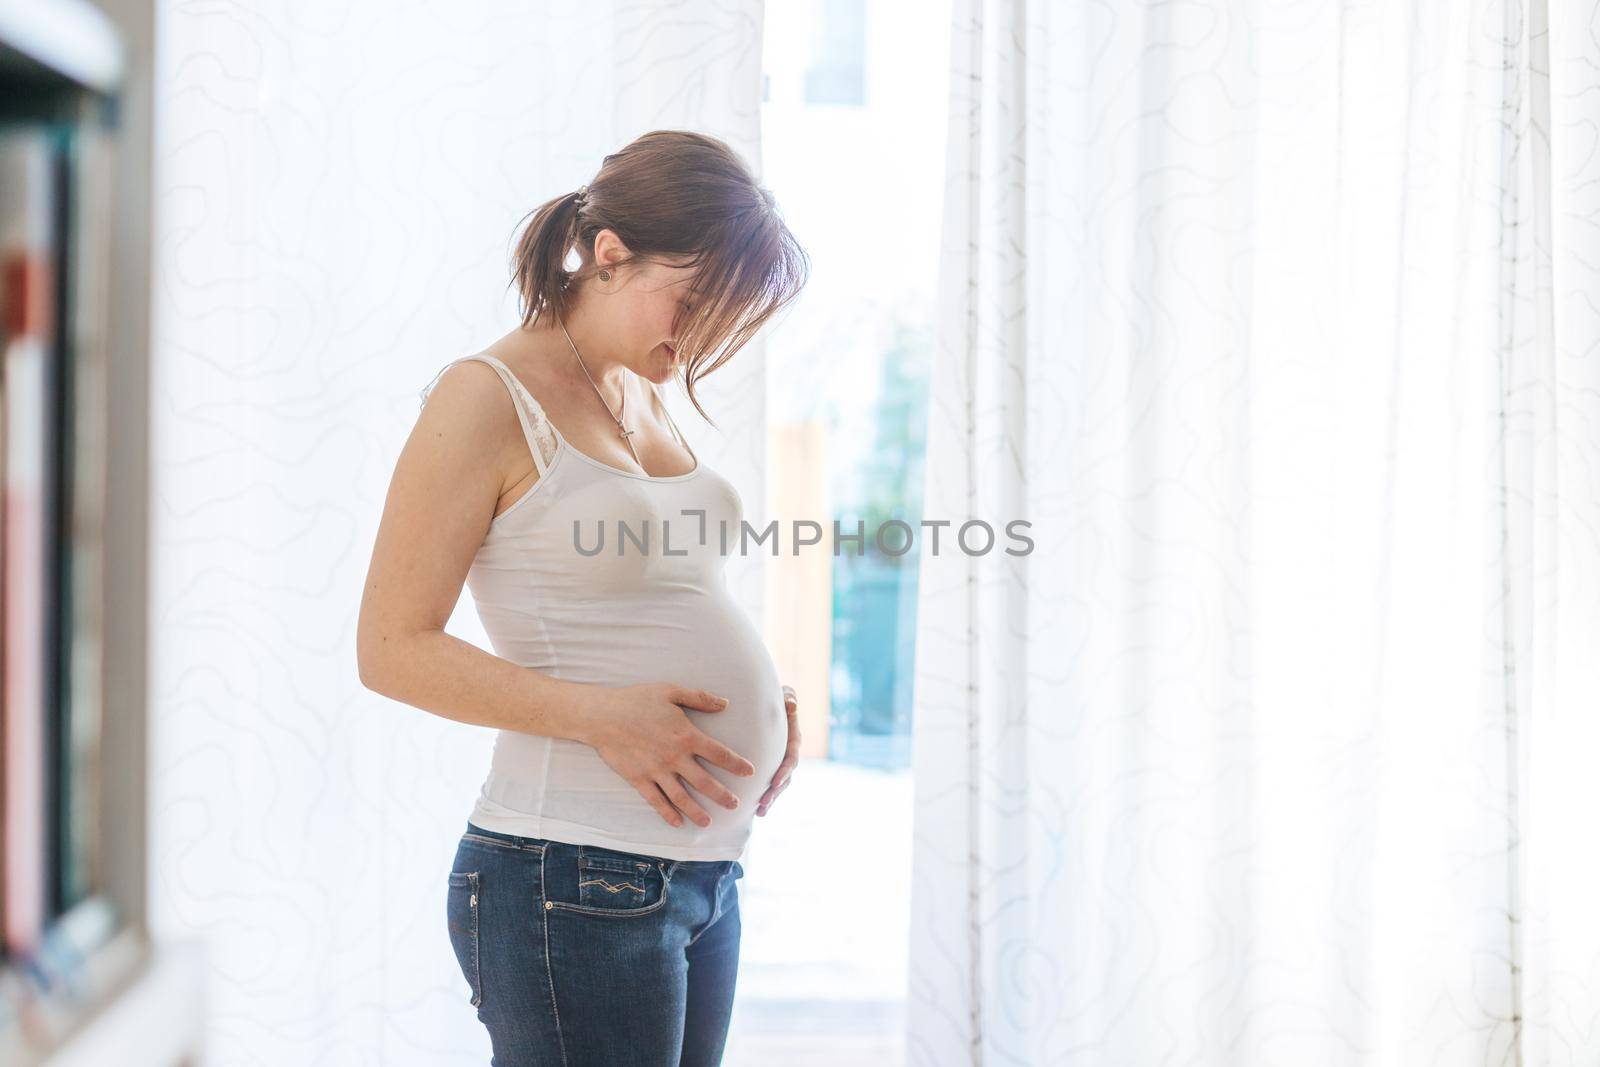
<point>1280,324</point>
<point>338,190</point>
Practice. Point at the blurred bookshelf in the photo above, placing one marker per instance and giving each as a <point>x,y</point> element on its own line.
<point>80,980</point>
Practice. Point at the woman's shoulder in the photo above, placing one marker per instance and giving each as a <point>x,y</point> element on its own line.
<point>479,394</point>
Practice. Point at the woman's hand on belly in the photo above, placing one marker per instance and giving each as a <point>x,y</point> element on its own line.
<point>641,732</point>
<point>791,755</point>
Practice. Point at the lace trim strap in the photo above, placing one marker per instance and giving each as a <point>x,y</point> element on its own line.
<point>541,435</point>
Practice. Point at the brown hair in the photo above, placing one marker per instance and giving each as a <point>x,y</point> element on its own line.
<point>672,194</point>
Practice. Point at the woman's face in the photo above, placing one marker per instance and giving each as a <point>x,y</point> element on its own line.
<point>642,307</point>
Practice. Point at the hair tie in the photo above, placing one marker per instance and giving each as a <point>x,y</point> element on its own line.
<point>583,195</point>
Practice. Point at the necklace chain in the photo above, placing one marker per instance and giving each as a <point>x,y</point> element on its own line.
<point>623,431</point>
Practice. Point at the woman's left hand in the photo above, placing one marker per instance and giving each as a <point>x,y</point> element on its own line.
<point>791,756</point>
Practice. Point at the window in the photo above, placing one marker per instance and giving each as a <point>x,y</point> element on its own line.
<point>836,74</point>
<point>822,970</point>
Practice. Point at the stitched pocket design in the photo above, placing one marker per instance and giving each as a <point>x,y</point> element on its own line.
<point>616,884</point>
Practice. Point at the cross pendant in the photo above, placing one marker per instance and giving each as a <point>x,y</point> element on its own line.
<point>625,433</point>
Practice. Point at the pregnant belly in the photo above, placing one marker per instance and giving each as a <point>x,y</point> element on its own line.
<point>710,645</point>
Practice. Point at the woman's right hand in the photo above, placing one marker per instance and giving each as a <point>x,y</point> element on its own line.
<point>642,733</point>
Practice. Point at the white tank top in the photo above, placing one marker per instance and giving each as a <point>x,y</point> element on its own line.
<point>651,606</point>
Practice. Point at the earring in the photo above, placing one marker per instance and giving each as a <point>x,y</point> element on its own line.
<point>605,276</point>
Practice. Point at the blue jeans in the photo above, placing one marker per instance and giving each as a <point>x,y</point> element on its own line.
<point>578,955</point>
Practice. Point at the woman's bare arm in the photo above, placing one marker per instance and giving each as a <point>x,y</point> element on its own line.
<point>447,482</point>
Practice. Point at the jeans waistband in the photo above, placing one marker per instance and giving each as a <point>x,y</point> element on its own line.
<point>515,839</point>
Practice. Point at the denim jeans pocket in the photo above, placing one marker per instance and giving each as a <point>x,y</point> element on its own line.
<point>614,884</point>
<point>461,912</point>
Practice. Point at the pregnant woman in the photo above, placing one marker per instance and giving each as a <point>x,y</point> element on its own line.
<point>592,902</point>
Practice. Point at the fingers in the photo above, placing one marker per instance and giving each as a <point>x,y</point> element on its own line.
<point>767,803</point>
<point>685,803</point>
<point>719,754</point>
<point>698,699</point>
<point>780,782</point>
<point>671,800</point>
<point>700,779</point>
<point>658,800</point>
<point>782,776</point>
